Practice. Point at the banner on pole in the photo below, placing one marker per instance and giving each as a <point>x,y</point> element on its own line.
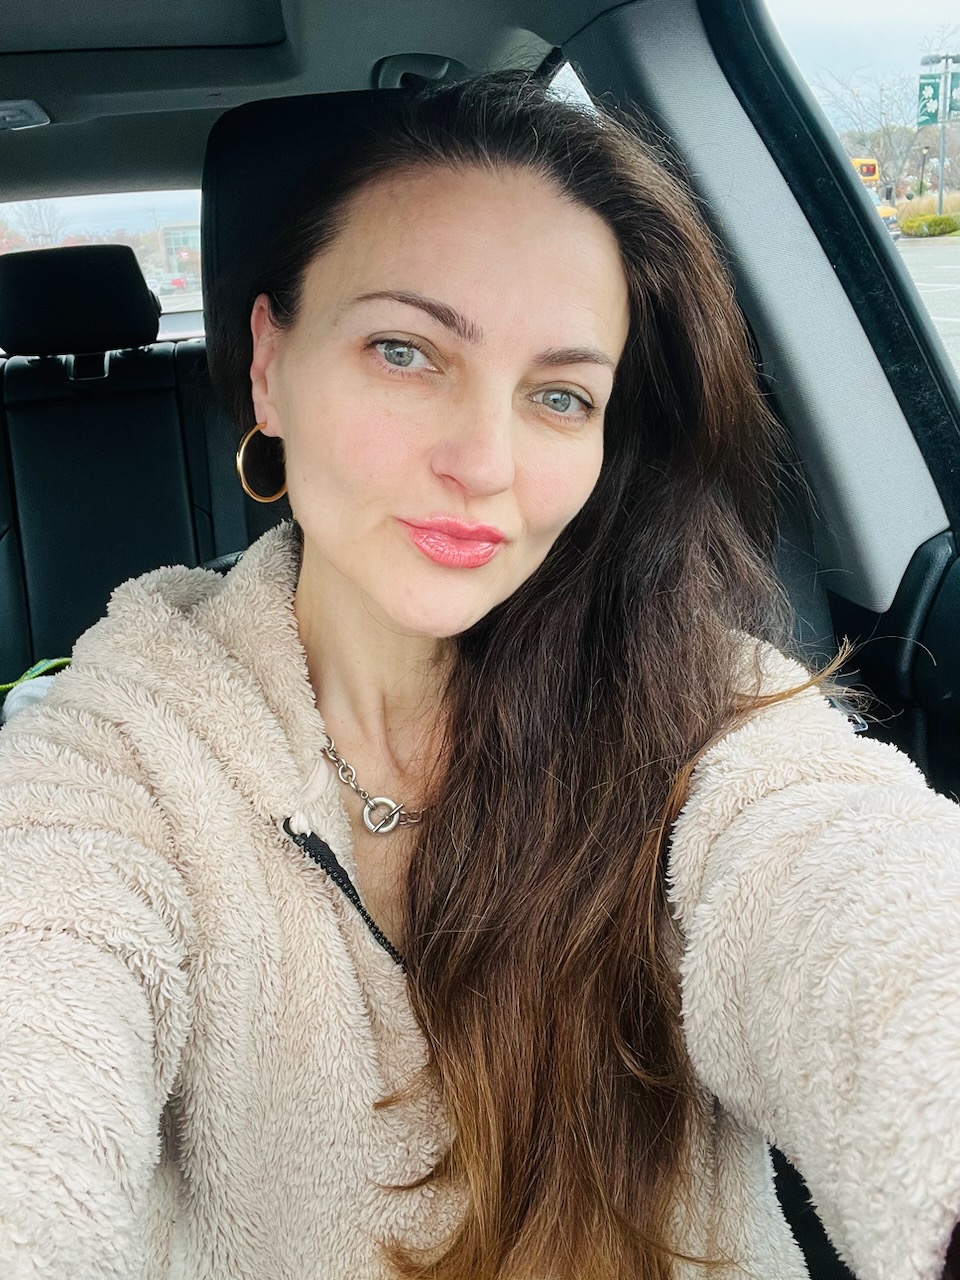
<point>953,102</point>
<point>928,106</point>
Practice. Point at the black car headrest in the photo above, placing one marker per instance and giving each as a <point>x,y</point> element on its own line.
<point>261,158</point>
<point>56,302</point>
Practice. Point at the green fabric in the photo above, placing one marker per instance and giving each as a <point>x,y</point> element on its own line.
<point>45,667</point>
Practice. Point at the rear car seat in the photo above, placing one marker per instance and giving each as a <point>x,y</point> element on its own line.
<point>114,458</point>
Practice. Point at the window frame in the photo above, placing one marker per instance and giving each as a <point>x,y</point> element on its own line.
<point>809,155</point>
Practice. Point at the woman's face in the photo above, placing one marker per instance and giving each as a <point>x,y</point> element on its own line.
<point>441,395</point>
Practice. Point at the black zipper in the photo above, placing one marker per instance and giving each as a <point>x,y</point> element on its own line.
<point>325,858</point>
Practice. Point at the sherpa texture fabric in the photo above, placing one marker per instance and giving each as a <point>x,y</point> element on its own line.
<point>195,1023</point>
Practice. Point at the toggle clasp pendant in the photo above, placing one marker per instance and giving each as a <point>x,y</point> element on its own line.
<point>372,806</point>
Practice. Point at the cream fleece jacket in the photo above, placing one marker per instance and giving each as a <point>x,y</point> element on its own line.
<point>196,1023</point>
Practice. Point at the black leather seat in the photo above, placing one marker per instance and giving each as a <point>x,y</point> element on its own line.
<point>114,457</point>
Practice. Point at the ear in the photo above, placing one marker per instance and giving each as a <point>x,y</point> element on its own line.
<point>263,367</point>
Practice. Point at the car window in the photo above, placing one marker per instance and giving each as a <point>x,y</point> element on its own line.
<point>567,84</point>
<point>887,76</point>
<point>162,228</point>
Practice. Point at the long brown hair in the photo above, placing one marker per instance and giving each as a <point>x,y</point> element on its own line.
<point>538,930</point>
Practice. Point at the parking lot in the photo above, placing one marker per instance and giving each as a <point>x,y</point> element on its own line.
<point>935,267</point>
<point>181,315</point>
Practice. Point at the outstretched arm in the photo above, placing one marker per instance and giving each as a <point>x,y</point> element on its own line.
<point>817,883</point>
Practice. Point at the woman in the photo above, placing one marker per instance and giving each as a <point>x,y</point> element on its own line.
<point>354,931</point>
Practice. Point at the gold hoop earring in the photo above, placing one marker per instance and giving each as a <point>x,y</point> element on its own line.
<point>257,497</point>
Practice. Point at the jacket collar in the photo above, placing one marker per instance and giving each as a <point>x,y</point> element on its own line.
<point>276,732</point>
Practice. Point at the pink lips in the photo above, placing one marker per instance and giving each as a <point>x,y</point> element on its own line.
<point>454,543</point>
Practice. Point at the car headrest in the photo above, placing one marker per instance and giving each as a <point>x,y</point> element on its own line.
<point>73,300</point>
<point>261,158</point>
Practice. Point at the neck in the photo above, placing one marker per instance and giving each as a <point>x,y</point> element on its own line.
<point>379,691</point>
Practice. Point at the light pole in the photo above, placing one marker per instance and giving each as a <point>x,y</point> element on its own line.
<point>943,110</point>
<point>924,152</point>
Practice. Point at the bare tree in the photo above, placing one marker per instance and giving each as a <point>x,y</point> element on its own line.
<point>877,116</point>
<point>42,222</point>
<point>946,39</point>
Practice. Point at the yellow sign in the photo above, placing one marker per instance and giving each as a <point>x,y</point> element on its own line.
<point>868,169</point>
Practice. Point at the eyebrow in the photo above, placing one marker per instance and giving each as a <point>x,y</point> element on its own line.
<point>467,331</point>
<point>446,315</point>
<point>573,355</point>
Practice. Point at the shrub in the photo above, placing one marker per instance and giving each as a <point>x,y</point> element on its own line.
<point>920,206</point>
<point>931,224</point>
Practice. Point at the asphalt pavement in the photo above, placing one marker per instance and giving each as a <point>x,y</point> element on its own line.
<point>934,265</point>
<point>183,316</point>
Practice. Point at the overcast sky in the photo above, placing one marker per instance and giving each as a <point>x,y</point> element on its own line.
<point>865,37</point>
<point>137,211</point>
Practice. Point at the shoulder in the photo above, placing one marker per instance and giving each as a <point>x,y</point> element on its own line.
<point>799,748</point>
<point>795,732</point>
<point>193,685</point>
<point>178,637</point>
<point>169,616</point>
<point>181,591</point>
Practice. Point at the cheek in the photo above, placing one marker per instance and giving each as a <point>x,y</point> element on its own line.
<point>358,447</point>
<point>341,425</point>
<point>554,487</point>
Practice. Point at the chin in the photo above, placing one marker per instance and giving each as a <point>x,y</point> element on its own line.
<point>439,627</point>
<point>442,622</point>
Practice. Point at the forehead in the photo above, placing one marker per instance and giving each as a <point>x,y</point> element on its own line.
<point>506,248</point>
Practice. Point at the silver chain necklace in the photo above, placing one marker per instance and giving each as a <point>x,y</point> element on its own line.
<point>393,815</point>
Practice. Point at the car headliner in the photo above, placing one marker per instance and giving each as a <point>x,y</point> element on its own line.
<point>133,90</point>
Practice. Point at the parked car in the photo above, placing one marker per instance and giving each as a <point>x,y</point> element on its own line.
<point>855,372</point>
<point>887,214</point>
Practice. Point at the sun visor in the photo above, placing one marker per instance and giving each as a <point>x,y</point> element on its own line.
<point>63,25</point>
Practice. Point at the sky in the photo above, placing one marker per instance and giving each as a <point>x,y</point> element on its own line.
<point>135,211</point>
<point>850,38</point>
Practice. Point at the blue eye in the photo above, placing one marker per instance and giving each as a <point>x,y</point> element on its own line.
<point>398,353</point>
<point>566,403</point>
<point>562,401</point>
<point>401,355</point>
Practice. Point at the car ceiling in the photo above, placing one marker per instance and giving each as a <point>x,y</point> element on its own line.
<point>132,87</point>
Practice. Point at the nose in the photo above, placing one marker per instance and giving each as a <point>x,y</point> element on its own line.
<point>476,447</point>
